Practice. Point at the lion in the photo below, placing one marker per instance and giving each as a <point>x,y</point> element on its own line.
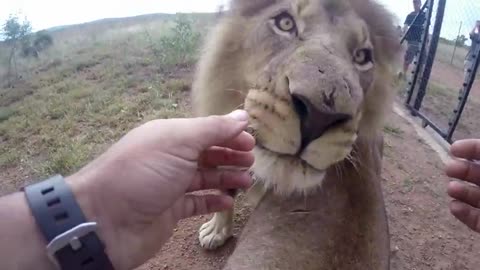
<point>314,76</point>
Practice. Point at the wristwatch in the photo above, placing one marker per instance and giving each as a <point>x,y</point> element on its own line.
<point>73,241</point>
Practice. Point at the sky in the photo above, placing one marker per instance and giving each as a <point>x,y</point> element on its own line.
<point>48,13</point>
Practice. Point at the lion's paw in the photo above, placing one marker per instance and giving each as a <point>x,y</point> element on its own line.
<point>215,232</point>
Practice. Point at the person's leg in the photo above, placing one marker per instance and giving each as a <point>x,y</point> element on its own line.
<point>408,59</point>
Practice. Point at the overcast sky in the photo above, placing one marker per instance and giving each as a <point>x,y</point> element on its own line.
<point>48,13</point>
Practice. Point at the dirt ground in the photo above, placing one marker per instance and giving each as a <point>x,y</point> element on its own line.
<point>451,77</point>
<point>441,100</point>
<point>423,233</point>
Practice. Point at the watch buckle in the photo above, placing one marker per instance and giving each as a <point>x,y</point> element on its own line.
<point>69,238</point>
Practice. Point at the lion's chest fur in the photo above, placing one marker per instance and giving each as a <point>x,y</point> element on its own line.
<point>342,226</point>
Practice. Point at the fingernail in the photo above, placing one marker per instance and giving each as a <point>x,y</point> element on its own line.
<point>239,115</point>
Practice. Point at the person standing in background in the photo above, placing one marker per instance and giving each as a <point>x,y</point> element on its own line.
<point>414,36</point>
<point>469,58</point>
<point>475,38</point>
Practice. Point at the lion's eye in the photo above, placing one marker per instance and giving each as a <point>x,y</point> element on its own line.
<point>285,22</point>
<point>363,56</point>
<point>364,59</point>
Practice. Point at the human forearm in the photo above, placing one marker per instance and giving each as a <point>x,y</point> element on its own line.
<point>21,243</point>
<point>136,192</point>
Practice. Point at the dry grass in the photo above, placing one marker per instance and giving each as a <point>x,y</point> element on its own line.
<point>446,52</point>
<point>94,85</point>
<point>439,104</point>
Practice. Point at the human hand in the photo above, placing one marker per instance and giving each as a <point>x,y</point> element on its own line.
<point>466,204</point>
<point>140,188</point>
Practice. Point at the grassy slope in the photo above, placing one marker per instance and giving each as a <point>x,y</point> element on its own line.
<point>96,83</point>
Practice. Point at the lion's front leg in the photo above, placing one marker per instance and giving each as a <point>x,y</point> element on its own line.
<point>217,231</point>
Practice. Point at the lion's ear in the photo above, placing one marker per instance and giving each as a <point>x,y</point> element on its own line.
<point>250,7</point>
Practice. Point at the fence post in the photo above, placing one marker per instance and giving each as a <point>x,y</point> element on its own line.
<point>456,43</point>
<point>420,59</point>
<point>431,54</point>
<point>467,86</point>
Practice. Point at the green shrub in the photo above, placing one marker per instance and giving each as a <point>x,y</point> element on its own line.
<point>42,41</point>
<point>6,113</point>
<point>180,46</point>
<point>32,46</point>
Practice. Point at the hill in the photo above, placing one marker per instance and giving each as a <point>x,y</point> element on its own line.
<point>98,80</point>
<point>123,21</point>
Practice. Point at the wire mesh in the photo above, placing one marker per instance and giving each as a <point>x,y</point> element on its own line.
<point>451,70</point>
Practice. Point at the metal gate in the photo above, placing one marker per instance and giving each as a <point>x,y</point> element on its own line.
<point>418,84</point>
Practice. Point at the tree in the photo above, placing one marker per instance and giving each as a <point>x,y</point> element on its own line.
<point>461,39</point>
<point>14,31</point>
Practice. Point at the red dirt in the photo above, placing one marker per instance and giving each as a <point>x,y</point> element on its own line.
<point>451,77</point>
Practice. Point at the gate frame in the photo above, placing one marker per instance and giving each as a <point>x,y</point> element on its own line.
<point>426,69</point>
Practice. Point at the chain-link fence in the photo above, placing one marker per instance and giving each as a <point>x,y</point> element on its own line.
<point>442,81</point>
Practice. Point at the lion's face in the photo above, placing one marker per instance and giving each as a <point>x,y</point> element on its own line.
<point>311,69</point>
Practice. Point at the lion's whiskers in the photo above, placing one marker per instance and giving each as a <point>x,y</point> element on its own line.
<point>358,164</point>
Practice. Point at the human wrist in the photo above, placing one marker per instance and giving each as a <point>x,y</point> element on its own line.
<point>19,232</point>
<point>87,192</point>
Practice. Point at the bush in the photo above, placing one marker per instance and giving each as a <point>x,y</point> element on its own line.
<point>179,47</point>
<point>31,47</point>
<point>42,41</point>
<point>29,51</point>
<point>6,113</point>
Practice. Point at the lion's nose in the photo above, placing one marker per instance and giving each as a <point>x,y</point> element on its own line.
<point>315,121</point>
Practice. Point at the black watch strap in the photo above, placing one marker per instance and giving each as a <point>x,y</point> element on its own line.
<point>73,243</point>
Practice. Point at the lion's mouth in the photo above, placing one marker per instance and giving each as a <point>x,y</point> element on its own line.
<point>301,159</point>
<point>250,130</point>
<point>296,158</point>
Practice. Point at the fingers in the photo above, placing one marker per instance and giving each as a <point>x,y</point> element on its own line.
<point>467,214</point>
<point>221,131</point>
<point>195,205</point>
<point>467,197</point>
<point>220,179</point>
<point>465,193</point>
<point>243,142</point>
<point>466,149</point>
<point>218,156</point>
<point>464,170</point>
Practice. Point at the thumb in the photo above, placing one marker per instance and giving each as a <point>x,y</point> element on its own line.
<point>215,130</point>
